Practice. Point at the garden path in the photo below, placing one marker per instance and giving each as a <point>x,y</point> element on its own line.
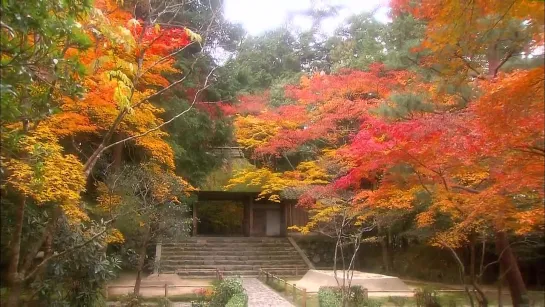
<point>259,295</point>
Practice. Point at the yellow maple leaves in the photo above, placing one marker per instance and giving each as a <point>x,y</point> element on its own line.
<point>271,183</point>
<point>46,175</point>
<point>115,236</point>
<point>252,132</point>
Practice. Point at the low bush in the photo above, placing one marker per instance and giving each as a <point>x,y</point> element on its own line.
<point>132,300</point>
<point>398,301</point>
<point>224,290</point>
<point>329,298</point>
<point>426,297</point>
<point>238,300</point>
<point>332,297</point>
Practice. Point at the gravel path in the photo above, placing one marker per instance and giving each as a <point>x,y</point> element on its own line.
<point>259,295</point>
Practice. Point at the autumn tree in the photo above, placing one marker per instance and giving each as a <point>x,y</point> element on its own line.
<point>325,113</point>
<point>150,203</point>
<point>336,218</point>
<point>46,65</point>
<point>501,32</point>
<point>36,70</point>
<point>456,142</point>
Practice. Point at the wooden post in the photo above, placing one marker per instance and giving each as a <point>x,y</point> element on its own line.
<point>267,277</point>
<point>286,286</point>
<point>156,268</point>
<point>365,294</point>
<point>304,298</point>
<point>166,290</point>
<point>294,294</point>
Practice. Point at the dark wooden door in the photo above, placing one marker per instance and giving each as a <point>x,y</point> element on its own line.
<point>259,222</point>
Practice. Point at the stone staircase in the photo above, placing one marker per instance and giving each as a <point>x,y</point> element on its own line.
<point>200,257</point>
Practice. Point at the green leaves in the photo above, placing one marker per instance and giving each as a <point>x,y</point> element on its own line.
<point>32,55</point>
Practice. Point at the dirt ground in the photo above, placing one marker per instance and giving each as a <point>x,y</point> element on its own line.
<point>154,285</point>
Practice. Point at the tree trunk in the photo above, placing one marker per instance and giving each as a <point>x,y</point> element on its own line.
<point>118,152</point>
<point>517,289</point>
<point>500,286</point>
<point>141,261</point>
<point>472,257</point>
<point>384,248</point>
<point>390,243</point>
<point>91,162</point>
<point>15,289</point>
<point>404,244</point>
<point>14,279</point>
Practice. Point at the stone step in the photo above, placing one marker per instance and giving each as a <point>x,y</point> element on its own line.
<point>287,277</point>
<point>245,273</point>
<point>226,249</point>
<point>229,239</point>
<point>241,242</point>
<point>208,257</point>
<point>267,262</point>
<point>232,267</point>
<point>236,267</point>
<point>201,257</point>
<point>234,252</point>
<point>226,244</point>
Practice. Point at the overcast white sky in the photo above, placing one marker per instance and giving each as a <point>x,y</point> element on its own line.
<point>258,16</point>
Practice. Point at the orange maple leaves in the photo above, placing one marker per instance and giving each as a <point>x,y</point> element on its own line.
<point>116,80</point>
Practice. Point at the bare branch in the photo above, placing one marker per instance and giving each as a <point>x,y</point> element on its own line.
<point>168,121</point>
<point>505,59</point>
<point>470,190</point>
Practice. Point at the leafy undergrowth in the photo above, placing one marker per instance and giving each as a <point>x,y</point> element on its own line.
<point>173,298</point>
<point>457,299</point>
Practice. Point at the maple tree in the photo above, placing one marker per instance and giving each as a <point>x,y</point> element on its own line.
<point>121,82</point>
<point>325,114</point>
<point>149,204</point>
<point>105,68</point>
<point>35,169</point>
<point>462,149</point>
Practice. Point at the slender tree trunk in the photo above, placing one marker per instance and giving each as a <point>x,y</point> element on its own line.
<point>472,257</point>
<point>15,281</point>
<point>390,251</point>
<point>118,152</point>
<point>517,288</point>
<point>15,293</point>
<point>91,162</point>
<point>500,286</point>
<point>404,244</point>
<point>141,261</point>
<point>385,256</point>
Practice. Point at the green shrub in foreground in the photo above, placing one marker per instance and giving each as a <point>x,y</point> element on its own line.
<point>238,300</point>
<point>331,297</point>
<point>224,290</point>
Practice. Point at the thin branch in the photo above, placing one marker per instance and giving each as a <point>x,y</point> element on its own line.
<point>462,273</point>
<point>505,59</point>
<point>470,190</point>
<point>531,150</point>
<point>165,58</point>
<point>168,121</point>
<point>422,183</point>
<point>289,162</point>
<point>57,255</point>
<point>468,65</point>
